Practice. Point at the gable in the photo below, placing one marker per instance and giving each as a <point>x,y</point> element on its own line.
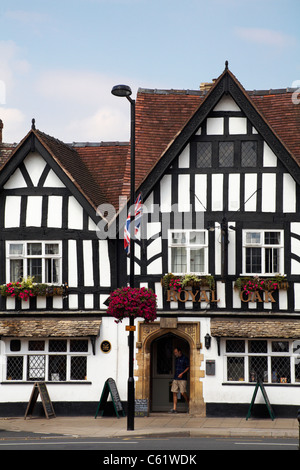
<point>41,168</point>
<point>226,110</point>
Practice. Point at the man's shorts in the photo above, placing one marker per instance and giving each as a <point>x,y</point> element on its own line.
<point>179,386</point>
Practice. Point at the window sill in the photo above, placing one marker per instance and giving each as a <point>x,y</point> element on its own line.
<point>21,382</point>
<point>252,384</point>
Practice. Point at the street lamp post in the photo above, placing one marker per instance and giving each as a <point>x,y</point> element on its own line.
<point>125,91</point>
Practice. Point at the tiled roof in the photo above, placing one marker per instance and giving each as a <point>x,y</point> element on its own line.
<point>282,115</point>
<point>49,327</point>
<point>107,163</point>
<point>71,163</point>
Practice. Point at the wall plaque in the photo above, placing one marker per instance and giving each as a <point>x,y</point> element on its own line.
<point>105,346</point>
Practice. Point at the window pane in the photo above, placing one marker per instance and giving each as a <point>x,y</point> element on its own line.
<point>79,345</point>
<point>258,368</point>
<point>280,346</point>
<point>78,368</point>
<point>15,345</point>
<point>16,248</point>
<point>297,370</point>
<point>51,270</point>
<point>204,154</point>
<point>57,368</point>
<point>226,154</point>
<point>36,368</point>
<point>235,345</point>
<point>235,369</point>
<point>253,238</point>
<point>178,260</point>
<point>36,345</point>
<point>178,238</point>
<point>52,249</point>
<point>34,268</point>
<point>34,249</point>
<point>272,238</point>
<point>249,154</point>
<point>253,260</point>
<point>16,270</point>
<point>258,347</point>
<point>14,370</point>
<point>57,345</point>
<point>281,370</point>
<point>271,260</point>
<point>197,261</point>
<point>197,238</point>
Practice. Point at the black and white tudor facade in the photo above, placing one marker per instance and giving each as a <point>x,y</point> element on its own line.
<point>218,170</point>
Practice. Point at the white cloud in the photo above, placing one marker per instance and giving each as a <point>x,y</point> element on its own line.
<point>81,105</point>
<point>11,64</point>
<point>265,37</point>
<point>106,124</point>
<point>13,122</point>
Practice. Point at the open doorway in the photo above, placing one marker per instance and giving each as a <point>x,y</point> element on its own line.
<point>162,372</point>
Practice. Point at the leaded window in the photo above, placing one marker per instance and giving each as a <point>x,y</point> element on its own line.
<point>55,360</point>
<point>268,361</point>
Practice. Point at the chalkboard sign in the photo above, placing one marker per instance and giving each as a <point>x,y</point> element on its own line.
<point>110,387</point>
<point>264,393</point>
<point>141,407</point>
<point>40,388</point>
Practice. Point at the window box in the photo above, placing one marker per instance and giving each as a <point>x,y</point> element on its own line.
<point>172,281</point>
<point>256,284</point>
<point>27,288</point>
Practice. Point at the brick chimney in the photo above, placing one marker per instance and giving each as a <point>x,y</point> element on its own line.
<point>205,86</point>
<point>1,127</point>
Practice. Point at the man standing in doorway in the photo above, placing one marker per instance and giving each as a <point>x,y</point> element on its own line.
<point>180,378</point>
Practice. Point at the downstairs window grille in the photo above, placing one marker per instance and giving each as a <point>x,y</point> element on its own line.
<point>53,360</point>
<point>268,361</point>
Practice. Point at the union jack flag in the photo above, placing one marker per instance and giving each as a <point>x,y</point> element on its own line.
<point>138,212</point>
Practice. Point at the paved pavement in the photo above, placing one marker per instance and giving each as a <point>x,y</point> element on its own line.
<point>153,425</point>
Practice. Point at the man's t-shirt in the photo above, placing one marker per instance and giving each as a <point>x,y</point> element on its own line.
<point>181,363</point>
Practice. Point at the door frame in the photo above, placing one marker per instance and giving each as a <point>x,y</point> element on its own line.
<point>190,332</point>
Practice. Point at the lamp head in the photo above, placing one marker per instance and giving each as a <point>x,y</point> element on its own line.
<point>121,90</point>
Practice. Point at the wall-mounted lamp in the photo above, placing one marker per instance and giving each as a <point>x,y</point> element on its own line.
<point>207,340</point>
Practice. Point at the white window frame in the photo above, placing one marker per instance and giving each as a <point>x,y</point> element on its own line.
<point>189,247</point>
<point>45,353</point>
<point>293,355</point>
<point>25,257</point>
<point>263,247</point>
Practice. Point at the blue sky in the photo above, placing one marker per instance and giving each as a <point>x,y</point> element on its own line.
<point>60,59</point>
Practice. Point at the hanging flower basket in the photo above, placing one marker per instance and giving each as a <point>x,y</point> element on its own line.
<point>136,302</point>
<point>255,283</point>
<point>28,288</point>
